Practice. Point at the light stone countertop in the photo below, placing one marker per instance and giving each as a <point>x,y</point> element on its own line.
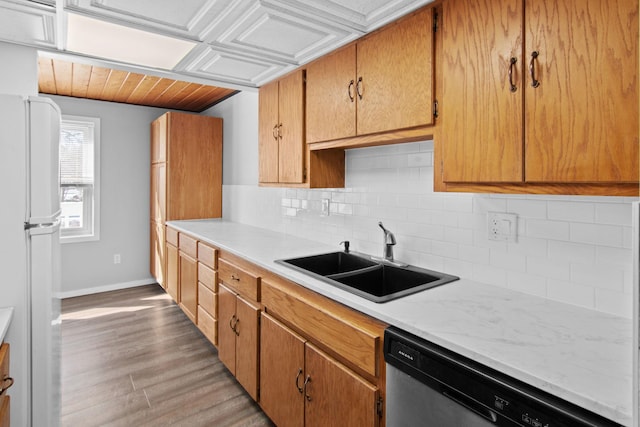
<point>6,313</point>
<point>580,355</point>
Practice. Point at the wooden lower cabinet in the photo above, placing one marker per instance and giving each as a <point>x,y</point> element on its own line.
<point>300,385</point>
<point>188,286</point>
<point>5,383</point>
<point>172,274</point>
<point>238,337</point>
<point>5,414</point>
<point>281,373</point>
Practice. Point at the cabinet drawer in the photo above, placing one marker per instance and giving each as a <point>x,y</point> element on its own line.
<point>208,300</point>
<point>240,280</point>
<point>334,330</point>
<point>208,325</point>
<point>5,415</point>
<point>207,255</point>
<point>188,245</point>
<point>208,277</point>
<point>172,236</point>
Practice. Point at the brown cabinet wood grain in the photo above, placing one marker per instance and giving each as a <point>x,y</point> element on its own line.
<point>238,337</point>
<point>186,175</point>
<point>281,125</point>
<point>188,286</point>
<point>528,98</point>
<point>382,83</point>
<point>5,383</point>
<point>5,411</point>
<point>172,272</point>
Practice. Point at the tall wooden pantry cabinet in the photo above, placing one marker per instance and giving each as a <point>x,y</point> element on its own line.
<point>186,179</point>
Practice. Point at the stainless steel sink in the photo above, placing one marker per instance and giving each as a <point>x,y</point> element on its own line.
<point>371,278</point>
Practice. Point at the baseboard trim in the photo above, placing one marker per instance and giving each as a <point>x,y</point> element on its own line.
<point>106,288</point>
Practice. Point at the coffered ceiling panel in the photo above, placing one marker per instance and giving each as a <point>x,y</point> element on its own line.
<point>182,18</point>
<point>27,22</point>
<point>222,65</point>
<point>268,31</point>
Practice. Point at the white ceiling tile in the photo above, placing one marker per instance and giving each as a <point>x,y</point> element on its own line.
<point>182,18</point>
<point>29,23</point>
<point>222,65</point>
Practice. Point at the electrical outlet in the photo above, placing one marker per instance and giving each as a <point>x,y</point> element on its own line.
<point>116,258</point>
<point>502,226</point>
<point>325,207</point>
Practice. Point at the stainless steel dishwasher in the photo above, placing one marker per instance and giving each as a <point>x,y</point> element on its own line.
<point>429,386</point>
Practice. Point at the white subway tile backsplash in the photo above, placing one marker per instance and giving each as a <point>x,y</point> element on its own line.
<point>553,230</point>
<point>597,234</point>
<point>571,211</point>
<point>573,249</point>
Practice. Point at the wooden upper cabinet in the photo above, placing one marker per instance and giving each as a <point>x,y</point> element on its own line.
<point>159,140</point>
<point>396,66</point>
<point>381,83</point>
<point>582,120</point>
<point>281,130</point>
<point>481,116</point>
<point>331,96</point>
<point>577,123</point>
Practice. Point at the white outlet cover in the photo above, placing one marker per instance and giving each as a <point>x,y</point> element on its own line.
<point>502,226</point>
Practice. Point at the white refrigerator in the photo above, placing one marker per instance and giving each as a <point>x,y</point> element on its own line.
<point>30,257</point>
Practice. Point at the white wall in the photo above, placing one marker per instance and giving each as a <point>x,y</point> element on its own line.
<point>124,216</point>
<point>571,249</point>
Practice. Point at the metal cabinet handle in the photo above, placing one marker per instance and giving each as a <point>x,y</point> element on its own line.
<point>280,131</point>
<point>232,324</point>
<point>6,383</point>
<point>512,65</point>
<point>359,86</point>
<point>300,390</point>
<point>275,132</point>
<point>235,277</point>
<point>307,381</point>
<point>236,329</point>
<point>532,69</point>
<point>350,91</point>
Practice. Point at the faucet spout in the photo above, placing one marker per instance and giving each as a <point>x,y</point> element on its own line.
<point>389,242</point>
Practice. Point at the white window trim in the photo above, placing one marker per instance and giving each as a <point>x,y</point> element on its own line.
<point>96,182</point>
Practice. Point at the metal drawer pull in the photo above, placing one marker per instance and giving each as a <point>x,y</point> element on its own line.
<point>236,329</point>
<point>307,381</point>
<point>235,277</point>
<point>6,383</point>
<point>359,88</point>
<point>350,91</point>
<point>512,65</point>
<point>532,70</point>
<point>232,324</point>
<point>275,132</point>
<point>297,378</point>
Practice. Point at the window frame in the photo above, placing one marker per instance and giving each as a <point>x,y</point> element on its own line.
<point>81,235</point>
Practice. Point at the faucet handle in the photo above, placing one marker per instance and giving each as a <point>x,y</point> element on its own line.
<point>389,238</point>
<point>346,245</point>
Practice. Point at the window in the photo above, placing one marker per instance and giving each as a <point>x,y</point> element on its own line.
<point>79,179</point>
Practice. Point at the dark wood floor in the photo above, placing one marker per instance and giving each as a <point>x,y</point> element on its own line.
<point>132,358</point>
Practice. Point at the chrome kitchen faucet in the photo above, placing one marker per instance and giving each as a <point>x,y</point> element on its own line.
<point>389,242</point>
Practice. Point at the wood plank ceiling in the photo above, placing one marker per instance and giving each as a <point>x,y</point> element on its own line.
<point>58,77</point>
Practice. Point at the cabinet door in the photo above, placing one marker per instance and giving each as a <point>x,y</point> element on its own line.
<point>335,395</point>
<point>159,140</point>
<point>281,373</point>
<point>331,105</point>
<point>158,200</point>
<point>582,120</point>
<point>396,66</point>
<point>482,122</point>
<point>292,143</point>
<point>268,122</point>
<point>188,286</point>
<point>247,346</point>
<point>157,259</point>
<point>5,415</point>
<point>172,278</point>
<point>226,333</point>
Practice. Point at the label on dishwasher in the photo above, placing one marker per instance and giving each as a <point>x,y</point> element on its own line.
<point>405,353</point>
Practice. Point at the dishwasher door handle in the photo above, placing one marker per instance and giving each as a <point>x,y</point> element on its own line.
<point>470,404</point>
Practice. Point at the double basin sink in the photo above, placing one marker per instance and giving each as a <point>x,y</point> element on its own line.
<point>375,279</point>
